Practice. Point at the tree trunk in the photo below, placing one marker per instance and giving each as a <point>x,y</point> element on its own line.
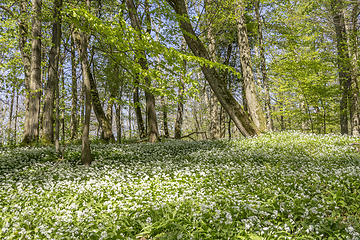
<point>35,80</point>
<point>99,112</point>
<point>180,107</point>
<point>57,116</point>
<point>10,139</point>
<point>74,101</point>
<point>150,99</point>
<point>16,115</point>
<point>214,113</point>
<point>81,41</point>
<point>48,125</point>
<point>343,62</point>
<point>137,108</point>
<point>253,104</point>
<point>265,78</point>
<point>118,115</point>
<point>352,42</point>
<point>23,30</point>
<point>232,107</point>
<point>165,117</point>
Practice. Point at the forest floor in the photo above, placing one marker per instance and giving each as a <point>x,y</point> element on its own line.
<point>273,186</point>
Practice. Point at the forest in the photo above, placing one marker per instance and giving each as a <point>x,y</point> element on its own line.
<point>179,119</point>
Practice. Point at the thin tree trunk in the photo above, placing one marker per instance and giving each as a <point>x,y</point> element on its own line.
<point>74,102</point>
<point>35,79</point>
<point>232,107</point>
<point>343,59</point>
<point>165,117</point>
<point>23,30</point>
<point>180,107</point>
<point>57,115</point>
<point>48,125</point>
<point>253,104</point>
<point>150,99</point>
<point>10,141</point>
<point>62,102</point>
<point>118,115</point>
<point>214,113</point>
<point>265,79</point>
<point>16,115</point>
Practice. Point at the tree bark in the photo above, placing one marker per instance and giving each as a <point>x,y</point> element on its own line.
<point>74,101</point>
<point>265,78</point>
<point>150,99</point>
<point>354,72</point>
<point>23,30</point>
<point>118,115</point>
<point>137,108</point>
<point>214,113</point>
<point>165,117</point>
<point>16,115</point>
<point>232,107</point>
<point>253,104</point>
<point>81,40</point>
<point>180,107</point>
<point>35,80</point>
<point>99,112</point>
<point>48,125</point>
<point>10,139</point>
<point>343,62</point>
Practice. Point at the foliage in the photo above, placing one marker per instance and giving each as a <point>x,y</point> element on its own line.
<point>274,186</point>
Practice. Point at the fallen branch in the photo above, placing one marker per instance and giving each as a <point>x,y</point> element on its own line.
<point>358,146</point>
<point>192,134</point>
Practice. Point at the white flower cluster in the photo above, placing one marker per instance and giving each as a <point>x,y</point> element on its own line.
<point>285,184</point>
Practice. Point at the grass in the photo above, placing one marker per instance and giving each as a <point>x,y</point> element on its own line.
<point>276,186</point>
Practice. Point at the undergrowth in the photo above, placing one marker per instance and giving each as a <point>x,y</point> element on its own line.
<point>275,186</point>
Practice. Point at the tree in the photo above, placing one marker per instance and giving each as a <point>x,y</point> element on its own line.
<point>150,99</point>
<point>81,41</point>
<point>265,79</point>
<point>214,113</point>
<point>52,83</point>
<point>32,133</point>
<point>252,100</point>
<point>343,61</point>
<point>235,111</point>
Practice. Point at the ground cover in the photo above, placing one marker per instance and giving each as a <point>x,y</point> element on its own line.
<point>275,186</point>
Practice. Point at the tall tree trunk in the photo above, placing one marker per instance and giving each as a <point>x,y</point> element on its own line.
<point>10,139</point>
<point>343,62</point>
<point>214,113</point>
<point>254,107</point>
<point>35,80</point>
<point>232,107</point>
<point>118,115</point>
<point>180,107</point>
<point>62,102</point>
<point>23,30</point>
<point>81,40</point>
<point>150,99</point>
<point>74,101</point>
<point>16,115</point>
<point>57,115</point>
<point>352,42</point>
<point>48,125</point>
<point>265,78</point>
<point>137,108</point>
